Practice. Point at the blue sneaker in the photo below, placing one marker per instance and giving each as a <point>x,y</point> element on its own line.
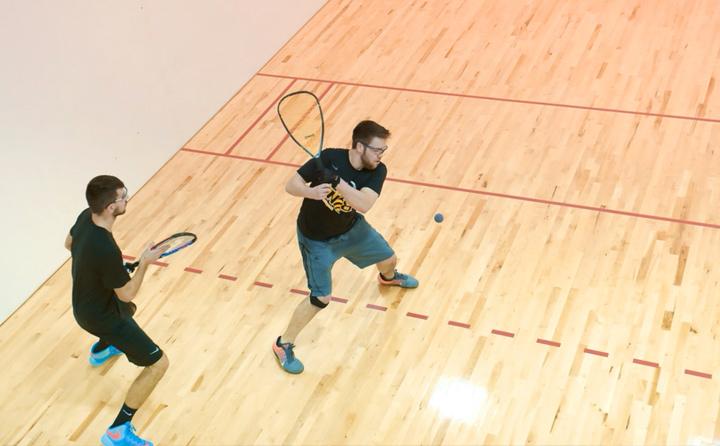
<point>399,279</point>
<point>123,435</point>
<point>100,357</point>
<point>286,357</point>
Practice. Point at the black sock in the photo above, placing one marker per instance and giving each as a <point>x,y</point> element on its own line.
<point>100,346</point>
<point>387,278</point>
<point>124,416</point>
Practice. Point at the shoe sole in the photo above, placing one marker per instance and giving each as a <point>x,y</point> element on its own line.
<point>95,363</point>
<point>397,284</point>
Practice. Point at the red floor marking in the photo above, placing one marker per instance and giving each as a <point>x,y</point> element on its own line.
<point>285,138</point>
<point>342,300</point>
<point>496,99</point>
<point>698,374</point>
<point>159,263</point>
<point>263,284</point>
<point>226,277</point>
<point>596,352</point>
<point>193,270</point>
<point>459,324</point>
<point>503,333</point>
<point>417,315</point>
<point>547,342</point>
<point>127,257</point>
<point>376,307</point>
<point>296,291</point>
<point>259,118</point>
<point>647,363</point>
<point>492,194</point>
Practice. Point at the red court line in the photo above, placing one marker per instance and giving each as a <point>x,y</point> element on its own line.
<point>503,333</point>
<point>698,374</point>
<point>596,352</point>
<point>497,99</point>
<point>259,118</point>
<point>547,342</point>
<point>277,147</point>
<point>560,203</point>
<point>376,307</point>
<point>450,322</point>
<point>647,363</point>
<point>239,157</point>
<point>459,324</point>
<point>127,257</point>
<point>491,194</point>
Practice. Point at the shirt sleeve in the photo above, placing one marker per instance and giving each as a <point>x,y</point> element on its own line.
<point>112,270</point>
<point>82,215</point>
<point>308,171</point>
<point>378,179</point>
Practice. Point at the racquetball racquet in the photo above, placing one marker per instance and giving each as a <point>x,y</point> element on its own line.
<point>302,117</point>
<point>176,242</point>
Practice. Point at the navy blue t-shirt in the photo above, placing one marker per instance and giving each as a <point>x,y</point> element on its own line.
<point>332,216</point>
<point>97,269</point>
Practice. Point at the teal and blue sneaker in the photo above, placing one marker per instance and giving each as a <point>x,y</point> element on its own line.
<point>286,357</point>
<point>123,435</point>
<point>100,357</point>
<point>399,279</point>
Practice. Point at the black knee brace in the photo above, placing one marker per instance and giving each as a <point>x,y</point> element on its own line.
<point>317,302</point>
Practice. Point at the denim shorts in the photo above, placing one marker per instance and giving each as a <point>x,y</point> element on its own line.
<point>362,245</point>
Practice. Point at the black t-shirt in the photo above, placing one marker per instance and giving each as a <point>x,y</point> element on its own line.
<point>97,269</point>
<point>332,216</point>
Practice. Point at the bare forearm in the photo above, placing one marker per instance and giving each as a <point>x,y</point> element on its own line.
<point>298,188</point>
<point>358,200</point>
<point>134,284</point>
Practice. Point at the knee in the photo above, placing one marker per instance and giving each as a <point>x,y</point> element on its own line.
<point>161,365</point>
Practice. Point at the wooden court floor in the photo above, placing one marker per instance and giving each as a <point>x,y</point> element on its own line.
<point>571,296</point>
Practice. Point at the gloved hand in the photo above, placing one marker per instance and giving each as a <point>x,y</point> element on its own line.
<point>325,175</point>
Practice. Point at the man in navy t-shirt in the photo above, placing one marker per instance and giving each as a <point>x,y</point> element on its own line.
<point>336,193</point>
<point>102,295</point>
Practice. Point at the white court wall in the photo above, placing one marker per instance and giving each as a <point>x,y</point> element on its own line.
<point>106,86</point>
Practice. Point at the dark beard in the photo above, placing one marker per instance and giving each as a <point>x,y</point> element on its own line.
<point>367,164</point>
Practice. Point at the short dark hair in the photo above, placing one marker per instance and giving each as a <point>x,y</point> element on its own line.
<point>101,191</point>
<point>365,131</point>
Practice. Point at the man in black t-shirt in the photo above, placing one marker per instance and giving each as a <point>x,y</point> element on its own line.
<point>102,297</point>
<point>343,185</point>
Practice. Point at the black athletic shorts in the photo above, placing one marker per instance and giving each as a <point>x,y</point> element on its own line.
<point>126,335</point>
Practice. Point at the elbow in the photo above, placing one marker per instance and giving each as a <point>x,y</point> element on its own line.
<point>124,296</point>
<point>291,187</point>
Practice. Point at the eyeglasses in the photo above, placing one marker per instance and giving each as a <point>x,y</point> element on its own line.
<point>124,197</point>
<point>377,150</point>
